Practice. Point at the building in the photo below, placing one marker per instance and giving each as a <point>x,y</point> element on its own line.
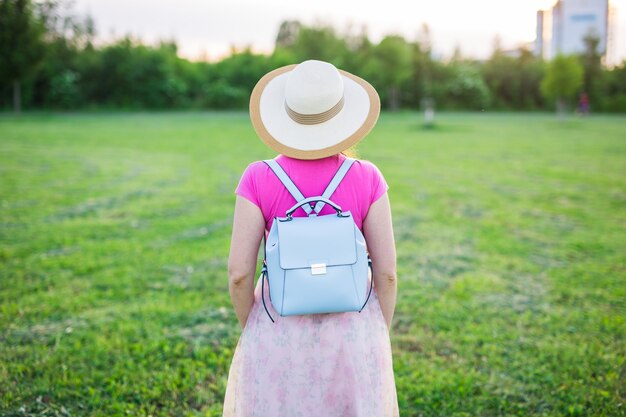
<point>539,39</point>
<point>562,29</point>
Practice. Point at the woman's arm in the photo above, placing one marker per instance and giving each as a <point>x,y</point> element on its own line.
<point>378,232</point>
<point>248,229</point>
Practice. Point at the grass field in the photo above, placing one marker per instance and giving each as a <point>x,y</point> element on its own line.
<point>115,228</point>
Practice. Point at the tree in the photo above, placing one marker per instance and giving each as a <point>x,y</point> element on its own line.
<point>21,45</point>
<point>564,77</point>
<point>590,59</point>
<point>320,42</point>
<point>423,68</point>
<point>360,50</point>
<point>514,81</point>
<point>60,80</point>
<point>392,67</point>
<point>62,25</point>
<point>287,33</point>
<point>466,89</point>
<point>615,100</point>
<point>132,75</point>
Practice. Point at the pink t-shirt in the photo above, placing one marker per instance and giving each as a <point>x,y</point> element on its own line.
<point>362,185</point>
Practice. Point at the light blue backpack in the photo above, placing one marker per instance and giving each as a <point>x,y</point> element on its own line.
<point>315,264</point>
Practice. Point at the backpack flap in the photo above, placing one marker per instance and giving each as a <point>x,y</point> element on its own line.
<point>317,242</point>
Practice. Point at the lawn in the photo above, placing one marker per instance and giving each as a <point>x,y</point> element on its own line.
<point>115,228</point>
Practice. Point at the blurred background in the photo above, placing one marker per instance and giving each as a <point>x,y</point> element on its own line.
<point>483,55</point>
<point>124,131</point>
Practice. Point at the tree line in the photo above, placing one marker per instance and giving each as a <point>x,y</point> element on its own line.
<point>48,60</point>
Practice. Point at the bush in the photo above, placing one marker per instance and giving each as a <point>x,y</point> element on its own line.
<point>64,90</point>
<point>466,89</point>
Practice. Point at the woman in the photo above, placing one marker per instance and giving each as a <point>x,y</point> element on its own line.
<point>334,364</point>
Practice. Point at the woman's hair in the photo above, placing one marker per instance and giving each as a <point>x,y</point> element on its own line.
<point>351,152</point>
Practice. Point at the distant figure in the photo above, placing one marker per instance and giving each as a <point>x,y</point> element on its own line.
<point>583,104</point>
<point>428,105</point>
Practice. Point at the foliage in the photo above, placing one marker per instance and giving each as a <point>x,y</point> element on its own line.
<point>514,81</point>
<point>320,42</point>
<point>390,68</point>
<point>64,90</point>
<point>564,77</point>
<point>592,70</point>
<point>615,99</point>
<point>423,70</point>
<point>115,235</point>
<point>131,75</point>
<point>20,40</point>
<point>21,46</point>
<point>127,73</point>
<point>69,45</point>
<point>466,89</point>
<point>288,33</point>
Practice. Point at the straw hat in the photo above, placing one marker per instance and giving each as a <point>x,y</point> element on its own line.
<point>312,110</point>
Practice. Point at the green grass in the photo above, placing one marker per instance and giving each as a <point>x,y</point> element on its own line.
<point>115,230</point>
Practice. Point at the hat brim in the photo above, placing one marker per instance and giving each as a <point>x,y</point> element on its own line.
<point>281,133</point>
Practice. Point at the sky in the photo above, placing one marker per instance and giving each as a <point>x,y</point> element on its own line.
<point>206,29</point>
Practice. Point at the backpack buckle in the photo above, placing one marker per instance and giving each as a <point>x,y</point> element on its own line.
<point>318,269</point>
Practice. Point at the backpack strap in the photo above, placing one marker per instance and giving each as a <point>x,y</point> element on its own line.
<point>334,183</point>
<point>291,187</point>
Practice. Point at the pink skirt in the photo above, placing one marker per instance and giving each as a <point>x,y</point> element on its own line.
<point>331,365</point>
